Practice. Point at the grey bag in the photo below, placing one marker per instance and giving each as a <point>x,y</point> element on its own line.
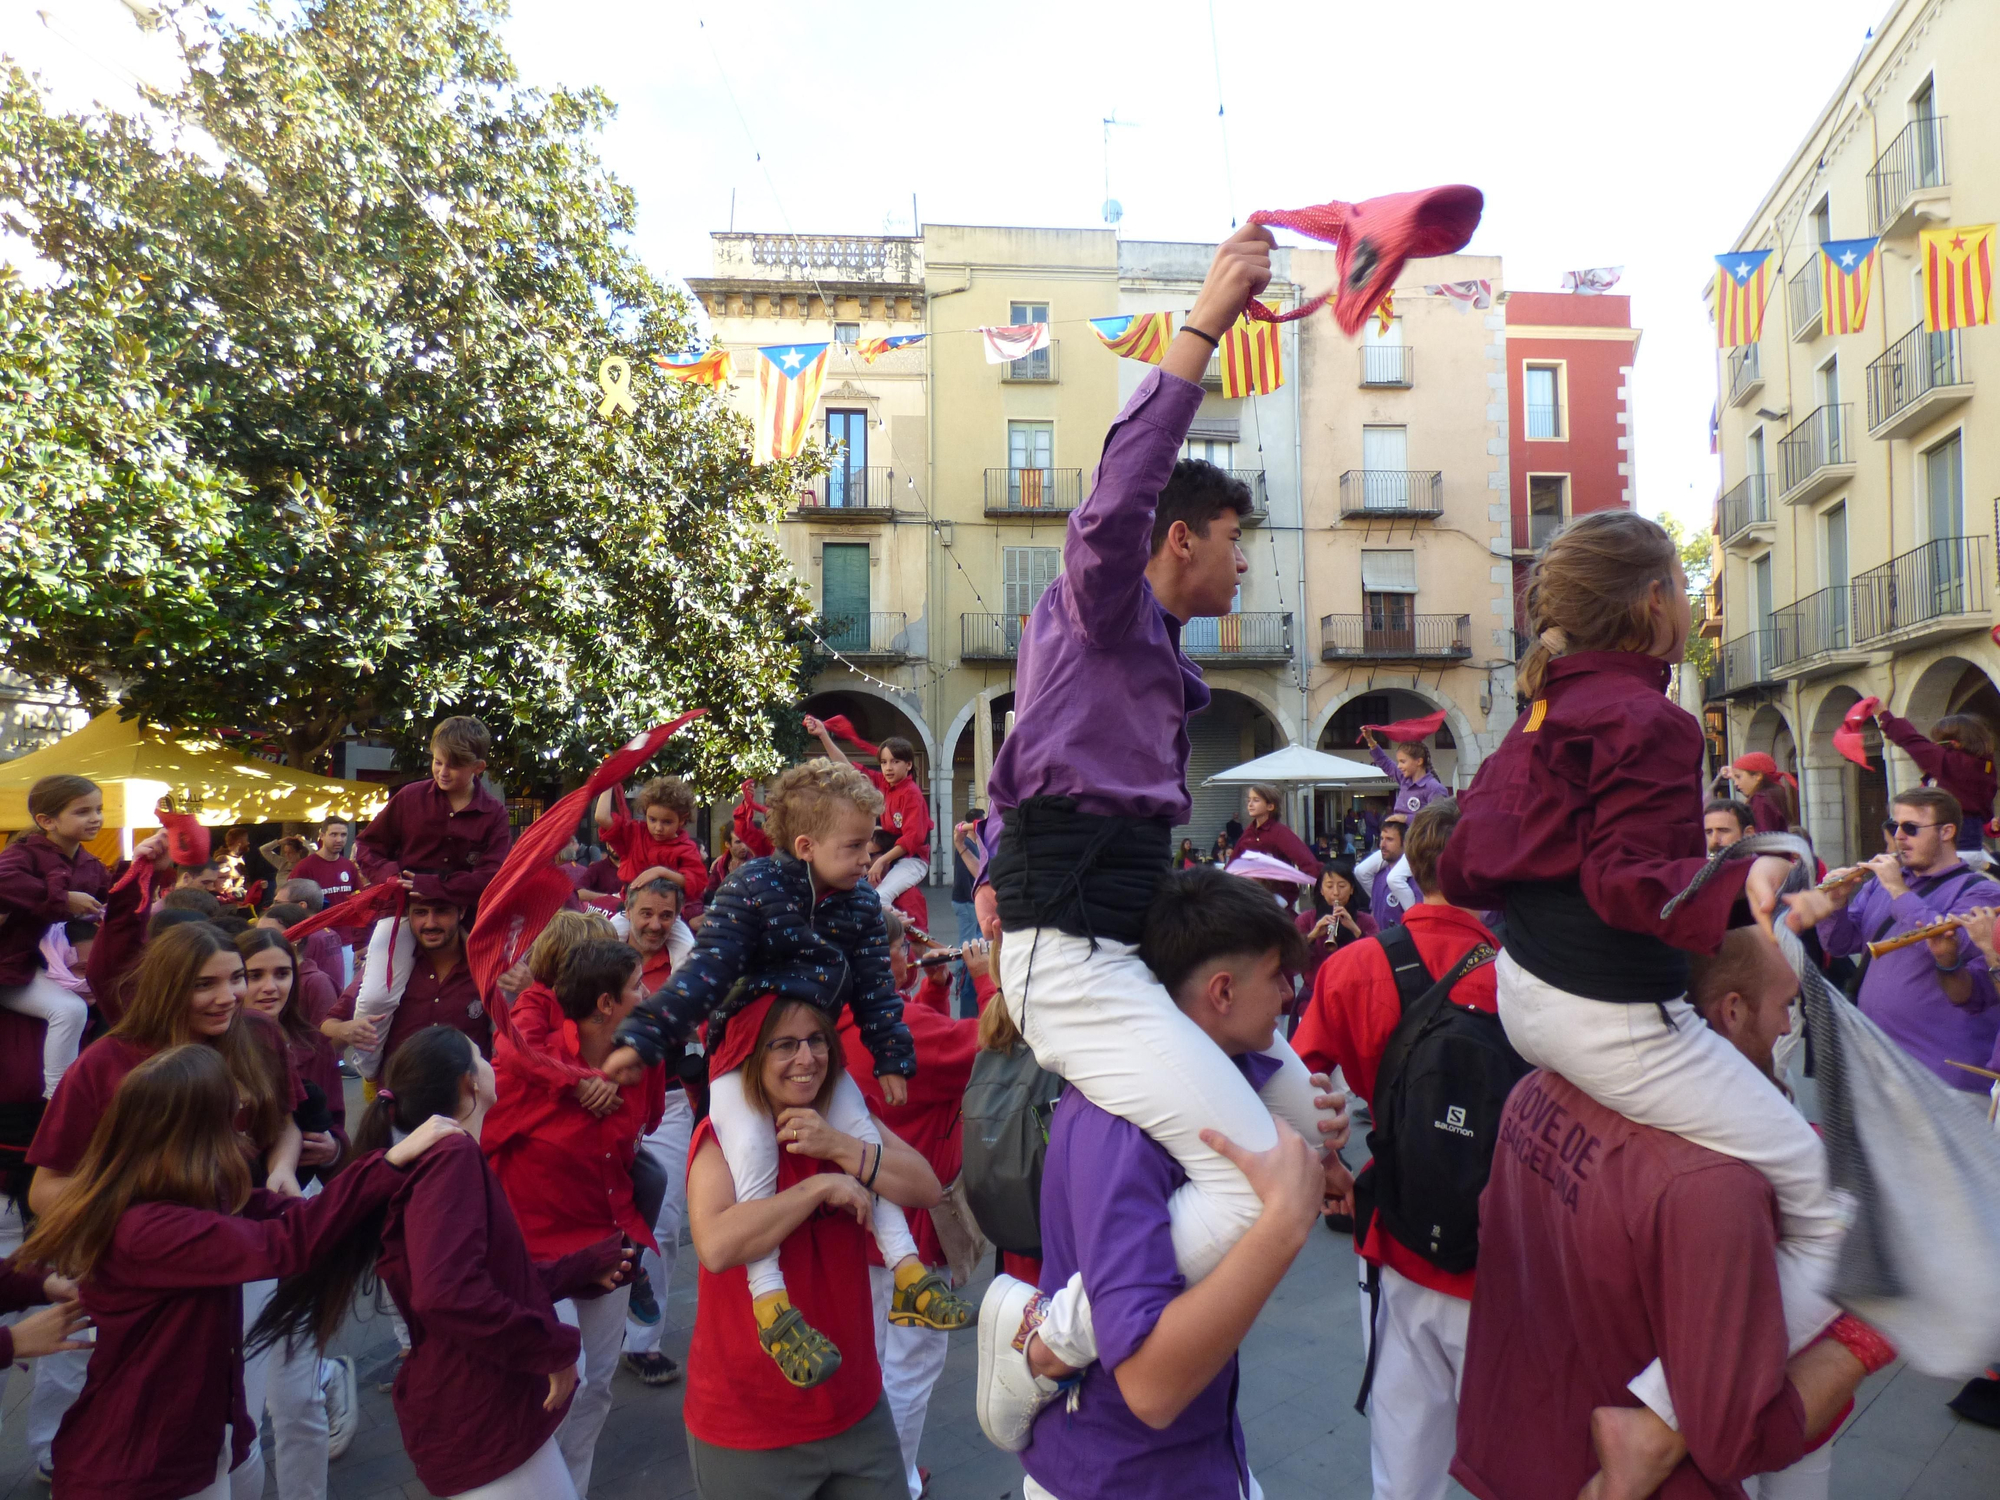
<point>1008,1102</point>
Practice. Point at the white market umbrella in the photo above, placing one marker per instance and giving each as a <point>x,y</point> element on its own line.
<point>1296,765</point>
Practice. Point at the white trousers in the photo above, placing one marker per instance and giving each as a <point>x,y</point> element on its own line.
<point>911,1360</point>
<point>1099,1018</point>
<point>749,1141</point>
<point>668,1146</point>
<point>543,1477</point>
<point>903,874</point>
<point>392,949</point>
<point>1684,1078</point>
<point>246,1480</point>
<point>65,1013</point>
<point>601,1321</point>
<point>1811,1478</point>
<point>1413,1406</point>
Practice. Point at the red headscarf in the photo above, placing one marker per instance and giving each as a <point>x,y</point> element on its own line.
<point>744,824</point>
<point>1760,764</point>
<point>1375,238</point>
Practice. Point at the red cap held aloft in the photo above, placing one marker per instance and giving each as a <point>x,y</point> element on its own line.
<point>1375,239</point>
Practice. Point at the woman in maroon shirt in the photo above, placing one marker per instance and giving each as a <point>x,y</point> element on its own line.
<point>163,1413</point>
<point>1338,916</point>
<point>491,1369</point>
<point>1268,834</point>
<point>48,877</point>
<point>1774,804</point>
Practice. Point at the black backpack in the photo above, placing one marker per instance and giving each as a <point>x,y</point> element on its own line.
<point>1439,1093</point>
<point>1008,1102</point>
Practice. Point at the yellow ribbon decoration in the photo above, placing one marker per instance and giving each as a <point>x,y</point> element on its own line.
<point>614,378</point>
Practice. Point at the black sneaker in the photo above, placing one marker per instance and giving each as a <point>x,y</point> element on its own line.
<point>1978,1402</point>
<point>652,1369</point>
<point>645,1307</point>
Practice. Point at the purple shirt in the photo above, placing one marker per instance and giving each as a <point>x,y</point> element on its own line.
<point>1412,796</point>
<point>1099,652</point>
<point>1105,1186</point>
<point>1901,992</point>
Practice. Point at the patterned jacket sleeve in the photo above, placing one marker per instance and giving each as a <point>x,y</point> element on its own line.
<point>878,1008</point>
<point>666,1018</point>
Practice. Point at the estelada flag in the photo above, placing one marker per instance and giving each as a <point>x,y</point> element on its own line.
<point>873,349</point>
<point>1253,361</point>
<point>715,368</point>
<point>1958,277</point>
<point>1846,268</point>
<point>1140,336</point>
<point>1742,283</point>
<point>788,381</point>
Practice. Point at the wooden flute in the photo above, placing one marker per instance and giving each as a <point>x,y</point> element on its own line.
<point>1914,936</point>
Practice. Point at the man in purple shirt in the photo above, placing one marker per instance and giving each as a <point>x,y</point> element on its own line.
<point>1087,788</point>
<point>1934,999</point>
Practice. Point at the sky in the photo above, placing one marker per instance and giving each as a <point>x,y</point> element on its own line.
<point>1641,136</point>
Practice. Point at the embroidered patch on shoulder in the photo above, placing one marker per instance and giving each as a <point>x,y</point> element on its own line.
<point>1537,711</point>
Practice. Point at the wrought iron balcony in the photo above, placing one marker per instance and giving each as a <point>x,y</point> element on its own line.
<point>1817,626</point>
<point>1818,454</point>
<point>1937,588</point>
<point>1808,316</point>
<point>1544,421</point>
<point>990,637</point>
<point>1033,492</point>
<point>1918,378</point>
<point>1386,364</point>
<point>1259,638</point>
<point>849,495</point>
<point>1542,529</point>
<point>1748,661</point>
<point>1260,508</point>
<point>1038,368</point>
<point>1746,373</point>
<point>1395,637</point>
<point>878,635</point>
<point>1391,494</point>
<point>1745,505</point>
<point>1913,165</point>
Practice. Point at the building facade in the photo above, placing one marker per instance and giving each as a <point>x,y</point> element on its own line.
<point>1855,521</point>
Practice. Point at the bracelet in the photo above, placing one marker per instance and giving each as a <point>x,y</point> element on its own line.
<point>870,1183</point>
<point>1213,341</point>
<point>1951,970</point>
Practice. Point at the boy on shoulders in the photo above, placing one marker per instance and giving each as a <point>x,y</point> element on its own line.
<point>444,838</point>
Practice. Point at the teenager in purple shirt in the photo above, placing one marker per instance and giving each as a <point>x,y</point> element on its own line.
<point>1156,1414</point>
<point>1091,782</point>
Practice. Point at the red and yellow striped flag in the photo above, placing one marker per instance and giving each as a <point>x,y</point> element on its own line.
<point>1845,269</point>
<point>714,368</point>
<point>1742,282</point>
<point>1958,277</point>
<point>1253,363</point>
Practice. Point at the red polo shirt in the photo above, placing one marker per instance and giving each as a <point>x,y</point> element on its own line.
<point>905,813</point>
<point>638,851</point>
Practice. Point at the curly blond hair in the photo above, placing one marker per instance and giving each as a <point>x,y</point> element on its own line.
<point>565,931</point>
<point>806,799</point>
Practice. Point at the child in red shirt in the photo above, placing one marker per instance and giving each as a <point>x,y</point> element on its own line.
<point>657,837</point>
<point>906,815</point>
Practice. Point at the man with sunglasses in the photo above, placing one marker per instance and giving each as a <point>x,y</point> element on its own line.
<point>1935,999</point>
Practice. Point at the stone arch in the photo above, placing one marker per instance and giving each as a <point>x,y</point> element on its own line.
<point>1843,804</point>
<point>1464,755</point>
<point>1239,726</point>
<point>1951,685</point>
<point>1771,731</point>
<point>888,713</point>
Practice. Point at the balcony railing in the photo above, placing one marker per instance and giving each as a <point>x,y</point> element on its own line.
<point>1805,291</point>
<point>1939,581</point>
<point>1260,507</point>
<point>1747,504</point>
<point>1386,364</point>
<point>1392,492</point>
<point>1748,661</point>
<point>1037,368</point>
<point>990,637</point>
<point>1542,529</point>
<point>1544,421</point>
<point>1033,492</point>
<point>1264,636</point>
<point>860,494</point>
<point>1815,626</point>
<point>881,634</point>
<point>1822,441</point>
<point>1914,366</point>
<point>1391,637</point>
<point>1914,161</point>
<point>1746,371</point>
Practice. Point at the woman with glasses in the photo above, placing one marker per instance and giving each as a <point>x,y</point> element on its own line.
<point>750,1430</point>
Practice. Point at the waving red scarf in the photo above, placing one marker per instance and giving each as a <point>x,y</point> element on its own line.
<point>1375,239</point>
<point>744,819</point>
<point>1407,730</point>
<point>187,844</point>
<point>1847,738</point>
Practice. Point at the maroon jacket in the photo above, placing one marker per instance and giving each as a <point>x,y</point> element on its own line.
<point>484,1336</point>
<point>1278,841</point>
<point>35,881</point>
<point>166,1373</point>
<point>121,940</point>
<point>1598,783</point>
<point>1604,1245</point>
<point>1967,777</point>
<point>453,1001</point>
<point>452,855</point>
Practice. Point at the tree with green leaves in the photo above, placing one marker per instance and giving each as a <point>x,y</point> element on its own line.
<point>1697,561</point>
<point>367,281</point>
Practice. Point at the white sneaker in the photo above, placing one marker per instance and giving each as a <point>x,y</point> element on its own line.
<point>343,1407</point>
<point>1008,1395</point>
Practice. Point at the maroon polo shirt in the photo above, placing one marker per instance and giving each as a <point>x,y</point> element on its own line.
<point>35,881</point>
<point>429,1000</point>
<point>452,855</point>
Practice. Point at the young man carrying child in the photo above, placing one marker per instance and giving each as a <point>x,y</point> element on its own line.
<point>657,839</point>
<point>1156,1414</point>
<point>906,816</point>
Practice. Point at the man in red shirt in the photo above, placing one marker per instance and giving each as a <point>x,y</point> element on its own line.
<point>445,837</point>
<point>333,869</point>
<point>1421,1323</point>
<point>439,990</point>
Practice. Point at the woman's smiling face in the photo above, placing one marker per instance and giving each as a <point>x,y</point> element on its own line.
<point>218,995</point>
<point>267,978</point>
<point>795,1060</point>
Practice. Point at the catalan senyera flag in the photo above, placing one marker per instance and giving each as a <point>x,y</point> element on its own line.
<point>788,381</point>
<point>873,349</point>
<point>1958,276</point>
<point>715,368</point>
<point>1846,268</point>
<point>1141,336</point>
<point>1742,282</point>
<point>1253,363</point>
<point>1386,313</point>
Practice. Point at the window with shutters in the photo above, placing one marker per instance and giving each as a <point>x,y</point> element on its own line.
<point>1388,601</point>
<point>1033,366</point>
<point>1027,572</point>
<point>1543,390</point>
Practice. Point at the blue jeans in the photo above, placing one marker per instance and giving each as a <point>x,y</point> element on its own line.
<point>968,929</point>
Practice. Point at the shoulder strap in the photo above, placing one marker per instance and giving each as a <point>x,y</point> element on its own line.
<point>1413,979</point>
<point>1417,1016</point>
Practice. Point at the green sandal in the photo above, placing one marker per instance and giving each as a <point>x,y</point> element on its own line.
<point>929,1302</point>
<point>804,1355</point>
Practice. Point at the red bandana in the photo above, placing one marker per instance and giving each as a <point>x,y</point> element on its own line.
<point>1408,730</point>
<point>1375,239</point>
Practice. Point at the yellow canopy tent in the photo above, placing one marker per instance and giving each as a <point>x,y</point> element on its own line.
<point>137,765</point>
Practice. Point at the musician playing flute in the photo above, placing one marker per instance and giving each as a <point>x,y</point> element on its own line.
<point>1936,998</point>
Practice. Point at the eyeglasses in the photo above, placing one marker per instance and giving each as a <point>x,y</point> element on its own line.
<point>1909,830</point>
<point>788,1046</point>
